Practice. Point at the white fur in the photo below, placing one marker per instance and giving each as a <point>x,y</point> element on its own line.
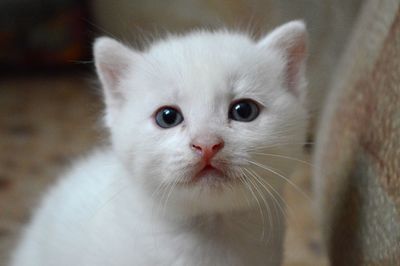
<point>119,207</point>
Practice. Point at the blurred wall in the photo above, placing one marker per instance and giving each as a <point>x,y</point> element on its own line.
<point>42,34</point>
<point>329,23</point>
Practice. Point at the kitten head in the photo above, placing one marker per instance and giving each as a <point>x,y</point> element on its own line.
<point>194,117</point>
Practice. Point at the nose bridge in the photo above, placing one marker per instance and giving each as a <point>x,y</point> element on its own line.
<point>206,131</point>
<point>204,123</point>
<point>206,127</point>
<point>205,117</point>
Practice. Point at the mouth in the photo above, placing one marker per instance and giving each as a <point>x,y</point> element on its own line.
<point>209,174</point>
<point>208,170</point>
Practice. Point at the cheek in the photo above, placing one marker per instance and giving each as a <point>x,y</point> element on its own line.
<point>152,152</point>
<point>176,156</point>
<point>133,146</point>
<point>248,136</point>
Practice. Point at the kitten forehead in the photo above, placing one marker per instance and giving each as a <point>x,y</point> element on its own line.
<point>201,53</point>
<point>201,40</point>
<point>208,63</point>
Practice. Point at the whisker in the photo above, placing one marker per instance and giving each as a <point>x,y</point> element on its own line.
<point>266,204</point>
<point>260,147</point>
<point>298,189</point>
<point>161,206</point>
<point>174,184</point>
<point>271,223</point>
<point>160,188</point>
<point>282,200</point>
<point>291,213</point>
<point>258,204</point>
<point>111,198</point>
<point>242,188</point>
<point>260,181</point>
<point>283,156</point>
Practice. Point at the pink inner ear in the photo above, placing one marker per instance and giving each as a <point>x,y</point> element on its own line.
<point>112,73</point>
<point>111,76</point>
<point>296,56</point>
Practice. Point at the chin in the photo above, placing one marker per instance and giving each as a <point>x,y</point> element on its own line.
<point>211,194</point>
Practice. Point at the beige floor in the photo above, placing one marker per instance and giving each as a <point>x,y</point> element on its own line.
<point>47,121</point>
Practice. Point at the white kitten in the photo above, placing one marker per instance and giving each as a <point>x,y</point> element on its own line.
<point>195,122</point>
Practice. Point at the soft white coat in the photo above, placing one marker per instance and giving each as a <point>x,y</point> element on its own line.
<point>131,203</point>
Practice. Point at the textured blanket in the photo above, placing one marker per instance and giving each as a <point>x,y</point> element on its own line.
<point>357,158</point>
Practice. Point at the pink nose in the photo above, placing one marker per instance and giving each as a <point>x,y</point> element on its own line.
<point>207,150</point>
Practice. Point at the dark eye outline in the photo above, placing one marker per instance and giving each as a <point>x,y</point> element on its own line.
<point>254,106</point>
<point>158,117</point>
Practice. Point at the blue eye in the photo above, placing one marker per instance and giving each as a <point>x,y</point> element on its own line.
<point>168,117</point>
<point>245,110</point>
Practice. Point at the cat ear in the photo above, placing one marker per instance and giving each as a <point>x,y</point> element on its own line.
<point>290,40</point>
<point>112,60</point>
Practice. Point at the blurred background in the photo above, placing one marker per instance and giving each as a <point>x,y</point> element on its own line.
<point>50,106</point>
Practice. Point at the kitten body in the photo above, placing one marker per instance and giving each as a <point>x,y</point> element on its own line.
<point>202,190</point>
